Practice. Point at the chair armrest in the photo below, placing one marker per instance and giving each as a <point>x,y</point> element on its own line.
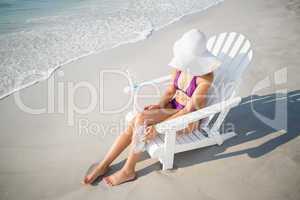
<point>183,121</point>
<point>135,87</point>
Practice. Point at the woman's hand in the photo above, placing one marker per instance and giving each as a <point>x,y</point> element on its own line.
<point>152,107</point>
<point>150,133</point>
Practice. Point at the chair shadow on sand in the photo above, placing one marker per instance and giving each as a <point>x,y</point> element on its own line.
<point>249,127</point>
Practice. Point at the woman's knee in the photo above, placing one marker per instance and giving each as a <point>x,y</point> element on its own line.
<point>143,118</point>
<point>140,118</point>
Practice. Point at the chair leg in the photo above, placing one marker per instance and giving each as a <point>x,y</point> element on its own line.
<point>168,162</point>
<point>169,150</point>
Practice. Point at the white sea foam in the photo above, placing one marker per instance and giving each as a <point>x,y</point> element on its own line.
<point>32,54</point>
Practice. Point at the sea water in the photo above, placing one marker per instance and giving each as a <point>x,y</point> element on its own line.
<point>38,36</point>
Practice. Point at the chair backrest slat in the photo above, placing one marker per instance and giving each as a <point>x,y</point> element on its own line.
<point>211,43</point>
<point>227,45</point>
<point>236,46</point>
<point>219,43</point>
<point>234,51</point>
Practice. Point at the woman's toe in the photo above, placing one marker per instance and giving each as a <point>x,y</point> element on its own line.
<point>107,181</point>
<point>85,180</point>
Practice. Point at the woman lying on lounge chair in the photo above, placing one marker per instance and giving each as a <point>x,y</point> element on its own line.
<point>192,76</point>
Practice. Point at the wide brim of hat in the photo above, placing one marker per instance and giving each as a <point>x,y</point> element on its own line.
<point>196,66</point>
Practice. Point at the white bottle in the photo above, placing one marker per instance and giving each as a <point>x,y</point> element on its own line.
<point>138,144</point>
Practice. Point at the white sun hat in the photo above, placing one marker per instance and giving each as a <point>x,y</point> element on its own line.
<point>191,55</point>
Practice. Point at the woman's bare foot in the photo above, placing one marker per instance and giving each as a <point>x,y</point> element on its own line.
<point>119,177</point>
<point>98,171</point>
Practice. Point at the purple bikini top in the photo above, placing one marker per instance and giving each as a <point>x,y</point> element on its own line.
<point>192,86</point>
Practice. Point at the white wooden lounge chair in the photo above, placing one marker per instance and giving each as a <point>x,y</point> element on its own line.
<point>234,51</point>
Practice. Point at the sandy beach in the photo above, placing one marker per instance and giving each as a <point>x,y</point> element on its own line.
<point>45,152</point>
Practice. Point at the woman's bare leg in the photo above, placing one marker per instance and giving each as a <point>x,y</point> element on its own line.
<point>127,172</point>
<point>121,142</point>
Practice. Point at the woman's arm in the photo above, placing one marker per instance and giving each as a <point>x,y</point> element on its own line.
<point>167,96</point>
<point>169,93</point>
<point>197,101</point>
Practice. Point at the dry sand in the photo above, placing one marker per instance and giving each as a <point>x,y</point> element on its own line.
<point>42,157</point>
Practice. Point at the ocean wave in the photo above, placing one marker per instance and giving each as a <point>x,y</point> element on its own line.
<point>32,55</point>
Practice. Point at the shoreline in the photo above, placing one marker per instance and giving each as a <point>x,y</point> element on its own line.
<point>144,35</point>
